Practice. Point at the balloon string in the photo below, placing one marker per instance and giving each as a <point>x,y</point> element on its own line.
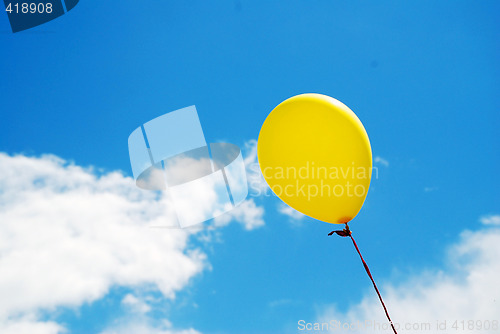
<point>347,233</point>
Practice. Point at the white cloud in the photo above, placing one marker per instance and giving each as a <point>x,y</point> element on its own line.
<point>28,324</point>
<point>287,210</point>
<point>490,220</point>
<point>429,189</point>
<point>381,161</point>
<point>136,321</point>
<point>67,236</point>
<point>135,304</point>
<point>280,302</point>
<point>467,290</point>
<point>247,213</point>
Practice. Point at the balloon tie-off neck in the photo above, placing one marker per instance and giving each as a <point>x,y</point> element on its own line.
<point>346,232</point>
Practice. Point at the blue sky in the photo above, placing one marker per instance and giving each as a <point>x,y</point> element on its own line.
<point>422,77</point>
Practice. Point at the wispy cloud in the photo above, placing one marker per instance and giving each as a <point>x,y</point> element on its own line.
<point>490,220</point>
<point>138,321</point>
<point>381,161</point>
<point>256,182</point>
<point>136,305</point>
<point>280,302</point>
<point>134,327</point>
<point>293,214</point>
<point>249,214</point>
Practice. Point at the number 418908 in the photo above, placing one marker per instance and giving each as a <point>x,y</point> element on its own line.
<point>475,325</point>
<point>32,8</point>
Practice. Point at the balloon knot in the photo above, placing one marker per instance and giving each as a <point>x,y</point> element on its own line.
<point>346,232</point>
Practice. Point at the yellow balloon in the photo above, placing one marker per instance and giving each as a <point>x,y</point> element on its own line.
<point>315,155</point>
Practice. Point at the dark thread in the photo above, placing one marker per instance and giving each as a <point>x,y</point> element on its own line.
<point>346,232</point>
